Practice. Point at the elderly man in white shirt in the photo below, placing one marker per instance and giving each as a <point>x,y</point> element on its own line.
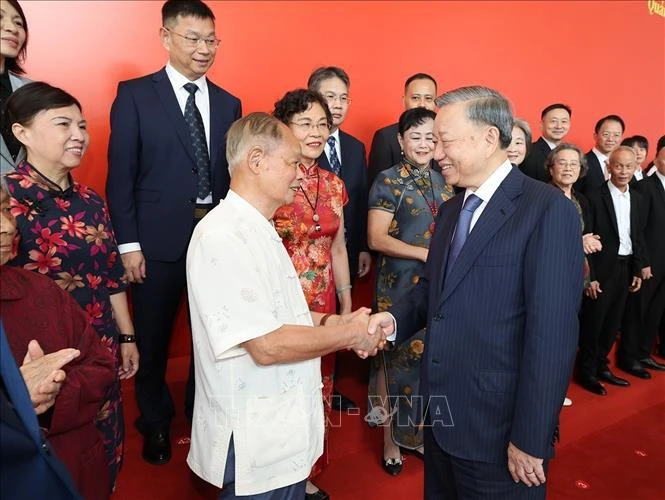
<point>258,415</point>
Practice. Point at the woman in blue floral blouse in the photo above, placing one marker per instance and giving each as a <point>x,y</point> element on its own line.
<point>65,233</point>
<point>403,206</point>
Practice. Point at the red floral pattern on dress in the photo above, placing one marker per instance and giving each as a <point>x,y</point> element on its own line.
<point>67,236</point>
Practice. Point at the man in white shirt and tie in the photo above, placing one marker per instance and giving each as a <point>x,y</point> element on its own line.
<point>607,135</point>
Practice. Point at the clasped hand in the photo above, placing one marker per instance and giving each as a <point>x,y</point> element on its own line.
<point>367,342</point>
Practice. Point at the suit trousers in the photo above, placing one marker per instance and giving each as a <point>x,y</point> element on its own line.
<point>155,306</point>
<point>653,317</point>
<point>291,492</point>
<point>452,478</point>
<point>601,319</point>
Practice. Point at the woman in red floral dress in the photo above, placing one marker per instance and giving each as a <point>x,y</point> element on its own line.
<point>312,228</point>
<point>65,233</point>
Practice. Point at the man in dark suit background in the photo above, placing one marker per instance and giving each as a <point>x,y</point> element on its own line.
<point>167,169</point>
<point>639,333</point>
<point>344,155</point>
<point>29,467</point>
<point>554,124</point>
<point>500,304</point>
<point>419,91</point>
<point>616,215</point>
<point>607,136</point>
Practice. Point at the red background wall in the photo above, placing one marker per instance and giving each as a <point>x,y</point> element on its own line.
<point>599,57</point>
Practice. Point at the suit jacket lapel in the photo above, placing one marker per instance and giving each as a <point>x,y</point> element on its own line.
<point>168,98</point>
<point>499,209</point>
<point>344,153</point>
<point>324,163</point>
<point>216,122</point>
<point>609,206</point>
<point>658,189</point>
<point>444,231</point>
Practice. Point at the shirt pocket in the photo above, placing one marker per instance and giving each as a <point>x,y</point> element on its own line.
<point>278,427</point>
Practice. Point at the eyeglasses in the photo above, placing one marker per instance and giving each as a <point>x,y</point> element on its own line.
<point>306,126</point>
<point>566,163</point>
<point>607,135</point>
<point>343,98</point>
<point>193,41</point>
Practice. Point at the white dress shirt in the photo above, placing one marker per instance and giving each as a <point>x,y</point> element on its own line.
<point>550,144</point>
<point>338,147</point>
<point>275,413</point>
<point>621,203</point>
<point>178,82</point>
<point>603,162</point>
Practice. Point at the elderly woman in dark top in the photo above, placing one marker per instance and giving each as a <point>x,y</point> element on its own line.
<point>65,234</point>
<point>520,143</point>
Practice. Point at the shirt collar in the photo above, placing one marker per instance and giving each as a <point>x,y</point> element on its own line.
<point>487,189</point>
<point>550,144</point>
<point>615,190</point>
<point>660,176</point>
<point>601,157</point>
<point>178,80</point>
<point>335,134</point>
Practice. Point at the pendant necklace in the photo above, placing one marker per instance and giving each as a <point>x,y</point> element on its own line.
<point>313,206</point>
<point>433,206</point>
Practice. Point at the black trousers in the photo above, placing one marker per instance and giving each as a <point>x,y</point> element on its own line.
<point>451,478</point>
<point>155,305</point>
<point>646,319</point>
<point>601,319</point>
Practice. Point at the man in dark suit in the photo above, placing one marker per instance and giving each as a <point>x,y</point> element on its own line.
<point>419,91</point>
<point>344,155</point>
<point>616,216</point>
<point>167,169</point>
<point>641,327</point>
<point>607,135</point>
<point>554,124</point>
<point>500,304</point>
<point>29,467</point>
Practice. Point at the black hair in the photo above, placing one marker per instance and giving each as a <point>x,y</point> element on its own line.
<point>298,101</point>
<point>324,73</point>
<point>14,64</point>
<point>419,76</point>
<point>609,118</point>
<point>30,99</point>
<point>412,118</point>
<point>554,106</point>
<point>640,140</point>
<point>194,8</point>
<point>660,144</point>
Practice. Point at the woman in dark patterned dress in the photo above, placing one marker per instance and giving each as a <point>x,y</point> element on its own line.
<point>403,205</point>
<point>65,234</point>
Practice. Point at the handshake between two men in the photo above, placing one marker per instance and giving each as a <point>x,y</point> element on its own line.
<point>370,330</point>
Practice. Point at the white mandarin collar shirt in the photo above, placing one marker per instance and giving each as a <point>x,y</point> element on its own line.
<point>242,285</point>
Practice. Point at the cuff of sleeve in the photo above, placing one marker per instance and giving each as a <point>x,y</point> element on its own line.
<point>129,247</point>
<point>393,336</point>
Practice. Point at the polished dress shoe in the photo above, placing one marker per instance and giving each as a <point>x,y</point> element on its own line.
<point>611,378</point>
<point>318,495</point>
<point>393,466</point>
<point>156,447</point>
<point>635,369</point>
<point>592,384</point>
<point>342,403</point>
<point>652,364</point>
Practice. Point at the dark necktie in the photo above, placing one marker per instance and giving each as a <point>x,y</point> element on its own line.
<point>335,165</point>
<point>198,135</point>
<point>462,229</point>
<point>16,388</point>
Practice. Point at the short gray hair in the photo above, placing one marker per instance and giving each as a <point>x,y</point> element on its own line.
<point>485,107</point>
<point>566,146</point>
<point>255,129</point>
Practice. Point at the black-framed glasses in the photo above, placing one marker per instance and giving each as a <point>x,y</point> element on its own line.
<point>193,41</point>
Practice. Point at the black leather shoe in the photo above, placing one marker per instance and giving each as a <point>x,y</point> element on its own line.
<point>593,385</point>
<point>635,369</point>
<point>611,378</point>
<point>156,447</point>
<point>319,495</point>
<point>342,403</point>
<point>393,466</point>
<point>652,364</point>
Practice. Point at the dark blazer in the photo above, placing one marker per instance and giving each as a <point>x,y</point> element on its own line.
<point>354,175</point>
<point>654,221</point>
<point>29,467</point>
<point>152,181</point>
<point>594,177</point>
<point>534,163</point>
<point>502,327</point>
<point>603,222</point>
<point>384,152</point>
